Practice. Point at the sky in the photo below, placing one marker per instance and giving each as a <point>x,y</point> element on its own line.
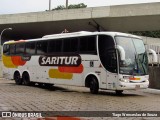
<point>23,6</point>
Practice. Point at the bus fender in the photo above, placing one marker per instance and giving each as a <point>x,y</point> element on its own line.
<point>91,74</point>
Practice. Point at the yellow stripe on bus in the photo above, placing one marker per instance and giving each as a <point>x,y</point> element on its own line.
<point>55,73</point>
<point>7,61</point>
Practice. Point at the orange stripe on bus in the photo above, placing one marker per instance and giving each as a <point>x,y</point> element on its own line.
<point>17,60</point>
<point>78,69</point>
<point>134,78</point>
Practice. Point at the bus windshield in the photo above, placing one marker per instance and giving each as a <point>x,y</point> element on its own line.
<point>136,61</point>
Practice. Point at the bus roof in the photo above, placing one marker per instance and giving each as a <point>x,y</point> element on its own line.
<point>74,34</point>
<point>86,33</point>
<point>68,34</point>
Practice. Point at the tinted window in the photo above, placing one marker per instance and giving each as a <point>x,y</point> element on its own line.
<point>70,45</point>
<point>12,49</point>
<point>58,46</point>
<point>55,46</point>
<point>6,49</point>
<point>41,47</point>
<point>30,48</point>
<point>107,53</point>
<point>20,48</point>
<point>51,46</point>
<point>88,44</point>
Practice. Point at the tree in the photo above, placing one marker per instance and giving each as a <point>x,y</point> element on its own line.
<point>72,6</point>
<point>155,34</point>
<point>60,7</point>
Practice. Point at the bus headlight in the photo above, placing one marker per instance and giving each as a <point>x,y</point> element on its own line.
<point>146,80</point>
<point>124,80</point>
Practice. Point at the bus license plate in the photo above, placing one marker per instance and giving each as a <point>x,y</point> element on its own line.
<point>137,87</point>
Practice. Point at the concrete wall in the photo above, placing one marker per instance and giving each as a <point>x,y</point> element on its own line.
<point>154,77</point>
<point>122,18</point>
<point>151,41</point>
<point>145,9</point>
<point>1,69</point>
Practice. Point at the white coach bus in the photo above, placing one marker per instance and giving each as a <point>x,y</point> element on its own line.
<point>97,60</point>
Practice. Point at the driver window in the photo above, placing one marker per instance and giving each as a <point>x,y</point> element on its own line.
<point>112,61</point>
<point>107,53</point>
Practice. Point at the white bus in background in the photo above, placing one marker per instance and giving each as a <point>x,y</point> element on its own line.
<point>153,54</point>
<point>97,60</point>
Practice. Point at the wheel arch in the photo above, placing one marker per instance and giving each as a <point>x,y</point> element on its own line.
<point>87,79</point>
<point>16,72</point>
<point>26,71</point>
<point>26,78</point>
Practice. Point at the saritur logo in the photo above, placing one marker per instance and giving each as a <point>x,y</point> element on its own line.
<point>60,60</point>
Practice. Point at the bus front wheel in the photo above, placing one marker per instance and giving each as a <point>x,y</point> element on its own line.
<point>26,79</point>
<point>94,86</point>
<point>119,92</point>
<point>17,78</point>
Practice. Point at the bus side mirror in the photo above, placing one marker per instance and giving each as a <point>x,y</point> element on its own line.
<point>121,51</point>
<point>154,55</point>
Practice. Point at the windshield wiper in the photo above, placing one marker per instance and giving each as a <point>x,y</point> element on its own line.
<point>136,61</point>
<point>143,63</point>
<point>141,59</point>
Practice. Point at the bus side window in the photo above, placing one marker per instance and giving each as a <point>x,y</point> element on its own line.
<point>6,50</point>
<point>58,46</point>
<point>55,46</point>
<point>51,46</point>
<point>112,61</point>
<point>70,45</point>
<point>88,45</point>
<point>74,45</point>
<point>41,47</point>
<point>20,48</point>
<point>30,48</point>
<point>107,53</point>
<point>12,49</point>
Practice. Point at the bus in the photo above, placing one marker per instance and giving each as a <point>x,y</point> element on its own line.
<point>97,60</point>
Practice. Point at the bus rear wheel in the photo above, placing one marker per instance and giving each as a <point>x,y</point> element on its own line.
<point>26,79</point>
<point>94,85</point>
<point>48,85</point>
<point>17,78</point>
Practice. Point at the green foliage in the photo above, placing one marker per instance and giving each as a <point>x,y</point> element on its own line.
<point>72,6</point>
<point>60,7</point>
<point>155,34</point>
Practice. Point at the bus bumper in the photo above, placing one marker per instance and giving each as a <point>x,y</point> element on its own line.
<point>133,86</point>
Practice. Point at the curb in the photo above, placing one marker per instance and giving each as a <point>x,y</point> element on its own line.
<point>151,90</point>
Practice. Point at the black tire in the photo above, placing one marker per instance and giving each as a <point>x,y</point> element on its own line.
<point>94,87</point>
<point>41,84</point>
<point>119,92</point>
<point>17,78</point>
<point>26,79</point>
<point>47,85</point>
